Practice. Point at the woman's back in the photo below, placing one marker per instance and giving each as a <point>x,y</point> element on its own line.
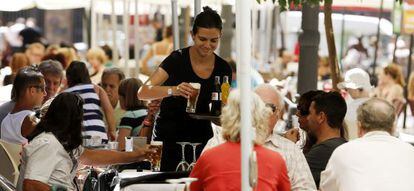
<point>219,169</point>
<point>92,114</point>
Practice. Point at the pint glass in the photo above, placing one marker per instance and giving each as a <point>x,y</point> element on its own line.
<point>192,100</point>
<point>155,158</point>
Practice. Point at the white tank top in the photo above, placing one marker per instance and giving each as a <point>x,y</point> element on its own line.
<point>11,127</point>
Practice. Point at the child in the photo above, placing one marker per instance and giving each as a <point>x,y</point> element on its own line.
<point>28,92</point>
<point>136,111</point>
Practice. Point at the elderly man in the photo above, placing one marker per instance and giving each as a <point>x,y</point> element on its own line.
<point>111,78</point>
<point>376,161</point>
<point>358,86</point>
<point>298,170</point>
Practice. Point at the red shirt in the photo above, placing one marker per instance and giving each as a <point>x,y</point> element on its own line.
<point>219,168</point>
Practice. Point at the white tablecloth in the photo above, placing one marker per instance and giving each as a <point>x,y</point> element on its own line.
<point>146,187</point>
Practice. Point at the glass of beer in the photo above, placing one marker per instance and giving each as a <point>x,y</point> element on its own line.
<point>192,100</point>
<point>155,158</point>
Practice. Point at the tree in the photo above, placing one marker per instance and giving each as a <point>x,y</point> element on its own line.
<point>333,60</point>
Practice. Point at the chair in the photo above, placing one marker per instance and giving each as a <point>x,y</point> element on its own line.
<point>10,160</point>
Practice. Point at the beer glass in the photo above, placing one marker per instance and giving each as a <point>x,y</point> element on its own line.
<point>192,100</point>
<point>155,158</point>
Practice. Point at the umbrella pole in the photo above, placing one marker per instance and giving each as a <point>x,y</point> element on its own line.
<point>244,51</point>
<point>374,65</point>
<point>407,78</point>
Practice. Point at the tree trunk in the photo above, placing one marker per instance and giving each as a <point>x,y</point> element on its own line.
<point>333,60</point>
<point>309,45</point>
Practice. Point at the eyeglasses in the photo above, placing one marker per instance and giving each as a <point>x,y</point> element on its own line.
<point>272,106</point>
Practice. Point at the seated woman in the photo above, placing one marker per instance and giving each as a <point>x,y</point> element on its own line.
<point>95,98</point>
<point>52,156</point>
<point>131,122</point>
<point>219,168</point>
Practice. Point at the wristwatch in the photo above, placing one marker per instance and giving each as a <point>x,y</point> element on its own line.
<point>170,92</point>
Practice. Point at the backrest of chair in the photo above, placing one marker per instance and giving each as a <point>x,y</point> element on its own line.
<point>10,157</point>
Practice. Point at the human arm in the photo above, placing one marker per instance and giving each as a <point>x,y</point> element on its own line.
<point>153,90</point>
<point>300,176</point>
<point>108,110</point>
<point>122,133</point>
<point>107,157</point>
<point>34,185</point>
<point>28,125</point>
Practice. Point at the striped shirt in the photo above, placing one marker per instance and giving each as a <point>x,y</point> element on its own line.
<point>93,123</point>
<point>133,120</point>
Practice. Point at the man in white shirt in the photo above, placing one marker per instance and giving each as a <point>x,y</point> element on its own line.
<point>298,169</point>
<point>358,86</point>
<point>376,161</point>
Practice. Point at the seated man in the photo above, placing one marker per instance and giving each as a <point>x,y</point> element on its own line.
<point>28,92</point>
<point>325,123</point>
<point>298,170</point>
<point>376,161</point>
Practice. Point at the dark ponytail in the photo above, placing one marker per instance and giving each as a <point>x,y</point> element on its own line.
<point>207,19</point>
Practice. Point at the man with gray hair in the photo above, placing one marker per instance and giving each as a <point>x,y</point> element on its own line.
<point>299,172</point>
<point>376,161</point>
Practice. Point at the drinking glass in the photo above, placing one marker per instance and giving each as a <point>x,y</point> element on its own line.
<point>194,156</point>
<point>155,158</point>
<point>192,100</point>
<point>183,165</point>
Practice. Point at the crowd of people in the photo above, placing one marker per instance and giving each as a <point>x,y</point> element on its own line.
<point>343,141</point>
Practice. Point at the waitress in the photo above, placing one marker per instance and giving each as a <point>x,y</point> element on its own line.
<point>170,82</point>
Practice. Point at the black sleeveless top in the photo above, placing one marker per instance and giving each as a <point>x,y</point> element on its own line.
<point>173,123</point>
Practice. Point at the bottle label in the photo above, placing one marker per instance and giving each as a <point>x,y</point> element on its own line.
<point>215,96</point>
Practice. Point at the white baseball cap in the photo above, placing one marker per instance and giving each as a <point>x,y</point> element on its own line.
<point>356,78</point>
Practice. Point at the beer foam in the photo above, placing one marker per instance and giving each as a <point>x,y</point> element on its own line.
<point>195,85</point>
<point>156,142</point>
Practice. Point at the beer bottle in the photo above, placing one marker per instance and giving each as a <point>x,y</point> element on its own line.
<point>215,97</point>
<point>225,90</point>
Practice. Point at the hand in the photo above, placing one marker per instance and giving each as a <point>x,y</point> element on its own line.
<point>292,134</point>
<point>111,135</point>
<point>154,106</point>
<point>185,89</point>
<point>142,153</point>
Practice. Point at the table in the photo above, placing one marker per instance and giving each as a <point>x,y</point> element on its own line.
<point>146,187</point>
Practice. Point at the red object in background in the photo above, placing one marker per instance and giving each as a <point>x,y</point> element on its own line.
<point>143,20</point>
<point>296,51</point>
<point>410,2</point>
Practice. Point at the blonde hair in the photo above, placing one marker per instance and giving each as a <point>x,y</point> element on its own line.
<point>395,72</point>
<point>35,45</point>
<point>231,118</point>
<point>98,53</point>
<point>69,54</point>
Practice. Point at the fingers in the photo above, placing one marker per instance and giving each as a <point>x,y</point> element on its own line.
<point>185,90</point>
